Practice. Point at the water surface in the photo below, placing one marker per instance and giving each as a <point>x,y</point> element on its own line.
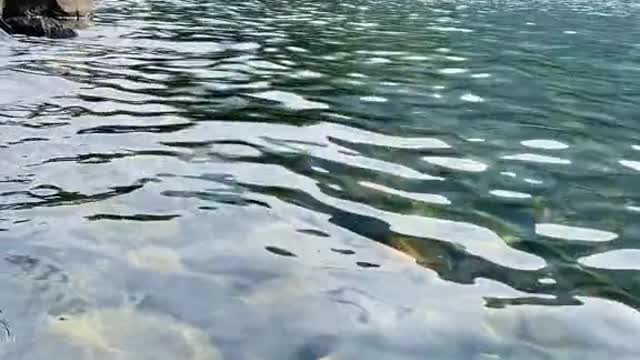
<point>324,180</point>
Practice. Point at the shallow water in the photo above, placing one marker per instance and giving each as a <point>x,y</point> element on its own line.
<point>324,180</point>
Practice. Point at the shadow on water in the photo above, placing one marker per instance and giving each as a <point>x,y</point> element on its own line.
<point>326,179</point>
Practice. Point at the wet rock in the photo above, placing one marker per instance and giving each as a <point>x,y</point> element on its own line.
<point>47,8</point>
<point>38,26</point>
<point>42,17</point>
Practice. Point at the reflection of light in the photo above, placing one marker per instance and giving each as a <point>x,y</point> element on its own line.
<point>533,181</point>
<point>456,163</point>
<point>296,49</point>
<point>231,150</point>
<point>624,259</point>
<point>319,169</point>
<point>450,29</point>
<point>635,165</point>
<point>416,58</point>
<point>452,71</point>
<point>335,187</point>
<point>545,144</point>
<point>565,232</point>
<point>429,198</point>
<point>314,141</point>
<point>510,194</point>
<point>475,239</point>
<point>374,99</point>
<point>355,135</point>
<point>537,159</point>
<point>357,75</point>
<point>265,65</point>
<point>481,76</point>
<point>378,60</point>
<point>289,100</point>
<point>471,98</point>
<point>307,74</point>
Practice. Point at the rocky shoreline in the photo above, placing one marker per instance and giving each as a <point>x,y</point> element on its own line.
<point>42,17</point>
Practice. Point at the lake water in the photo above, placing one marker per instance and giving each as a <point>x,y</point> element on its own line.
<point>315,180</point>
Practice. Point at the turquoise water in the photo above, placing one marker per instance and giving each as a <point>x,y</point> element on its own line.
<point>324,180</point>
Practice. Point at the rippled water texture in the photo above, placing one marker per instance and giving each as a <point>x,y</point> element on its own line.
<point>320,179</point>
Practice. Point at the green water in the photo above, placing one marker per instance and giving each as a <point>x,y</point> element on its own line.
<point>314,180</point>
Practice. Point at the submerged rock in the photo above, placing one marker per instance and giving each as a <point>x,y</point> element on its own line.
<point>127,334</point>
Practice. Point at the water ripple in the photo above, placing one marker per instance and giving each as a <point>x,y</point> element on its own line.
<point>337,179</point>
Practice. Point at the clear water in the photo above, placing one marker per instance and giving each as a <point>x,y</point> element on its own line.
<point>352,179</point>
